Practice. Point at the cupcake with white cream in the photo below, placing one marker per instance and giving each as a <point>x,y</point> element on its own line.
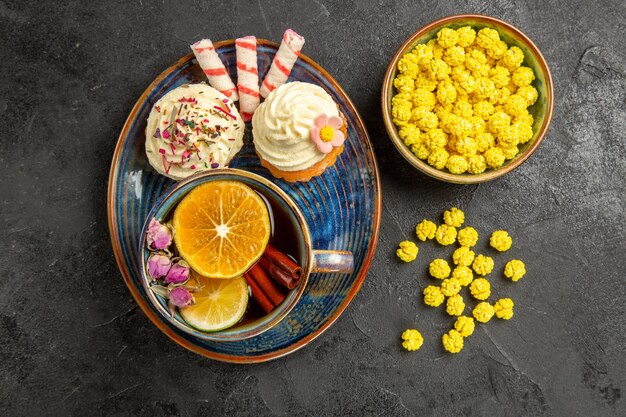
<point>192,128</point>
<point>298,131</point>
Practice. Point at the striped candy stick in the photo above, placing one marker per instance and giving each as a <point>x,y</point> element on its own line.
<point>283,62</point>
<point>214,69</point>
<point>247,76</point>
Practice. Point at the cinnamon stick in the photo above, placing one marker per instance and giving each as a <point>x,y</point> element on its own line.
<point>258,294</point>
<point>283,262</point>
<point>260,277</point>
<point>280,276</point>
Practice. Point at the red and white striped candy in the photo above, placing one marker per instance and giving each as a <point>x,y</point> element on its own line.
<point>247,76</point>
<point>283,62</point>
<point>214,69</point>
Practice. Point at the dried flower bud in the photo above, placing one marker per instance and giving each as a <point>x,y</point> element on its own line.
<point>158,265</point>
<point>178,273</point>
<point>181,297</point>
<point>159,236</point>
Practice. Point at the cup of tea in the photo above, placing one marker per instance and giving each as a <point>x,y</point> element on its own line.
<point>289,235</point>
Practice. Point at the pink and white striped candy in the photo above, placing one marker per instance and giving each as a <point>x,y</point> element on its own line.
<point>283,62</point>
<point>214,69</point>
<point>247,76</point>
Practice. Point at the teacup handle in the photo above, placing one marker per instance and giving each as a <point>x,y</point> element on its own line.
<point>341,262</point>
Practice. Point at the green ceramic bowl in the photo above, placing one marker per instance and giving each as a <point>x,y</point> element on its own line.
<point>541,110</point>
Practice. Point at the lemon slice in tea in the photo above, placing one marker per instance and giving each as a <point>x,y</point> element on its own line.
<point>221,228</point>
<point>220,303</point>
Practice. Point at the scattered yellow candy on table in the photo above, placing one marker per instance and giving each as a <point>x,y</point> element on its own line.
<point>439,268</point>
<point>482,265</point>
<point>463,256</point>
<point>480,289</point>
<point>455,305</point>
<point>450,287</point>
<point>426,230</point>
<point>463,275</point>
<point>445,235</point>
<point>462,85</point>
<point>483,312</point>
<point>452,341</point>
<point>468,236</point>
<point>433,296</point>
<point>500,240</point>
<point>412,340</point>
<point>504,308</point>
<point>514,270</point>
<point>464,325</point>
<point>407,251</point>
<point>453,217</point>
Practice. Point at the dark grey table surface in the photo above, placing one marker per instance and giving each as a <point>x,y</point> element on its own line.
<point>73,341</point>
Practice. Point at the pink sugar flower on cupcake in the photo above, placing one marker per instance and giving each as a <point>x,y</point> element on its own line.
<point>325,132</point>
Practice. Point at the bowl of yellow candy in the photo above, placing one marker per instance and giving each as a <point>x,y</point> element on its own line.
<point>467,98</point>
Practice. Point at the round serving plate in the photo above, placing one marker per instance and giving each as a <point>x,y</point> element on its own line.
<point>342,208</point>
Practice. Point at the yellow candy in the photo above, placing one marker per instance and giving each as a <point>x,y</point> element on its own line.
<point>514,270</point>
<point>447,37</point>
<point>436,138</point>
<point>463,274</point>
<point>408,65</point>
<point>509,137</point>
<point>466,146</point>
<point>446,93</point>
<point>421,151</point>
<point>464,325</point>
<point>467,35</point>
<point>423,53</point>
<point>468,236</point>
<point>463,109</point>
<point>523,76</point>
<point>484,88</point>
<point>525,132</point>
<point>515,105</point>
<point>421,97</point>
<point>487,37</point>
<point>500,240</point>
<point>454,217</point>
<point>513,58</point>
<point>463,256</point>
<point>482,265</point>
<point>480,289</point>
<point>529,94</point>
<point>498,121</point>
<point>456,164</point>
<point>455,305</point>
<point>504,308</point>
<point>483,109</point>
<point>401,112</point>
<point>509,152</point>
<point>412,340</point>
<point>450,286</point>
<point>494,157</point>
<point>433,296</point>
<point>426,82</point>
<point>476,164</point>
<point>438,69</point>
<point>439,268</point>
<point>425,230</point>
<point>452,341</point>
<point>485,141</point>
<point>483,312</point>
<point>454,56</point>
<point>438,158</point>
<point>404,83</point>
<point>500,76</point>
<point>445,235</point>
<point>407,251</point>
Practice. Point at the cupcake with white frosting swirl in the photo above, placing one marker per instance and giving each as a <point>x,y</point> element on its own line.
<point>298,131</point>
<point>192,128</point>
